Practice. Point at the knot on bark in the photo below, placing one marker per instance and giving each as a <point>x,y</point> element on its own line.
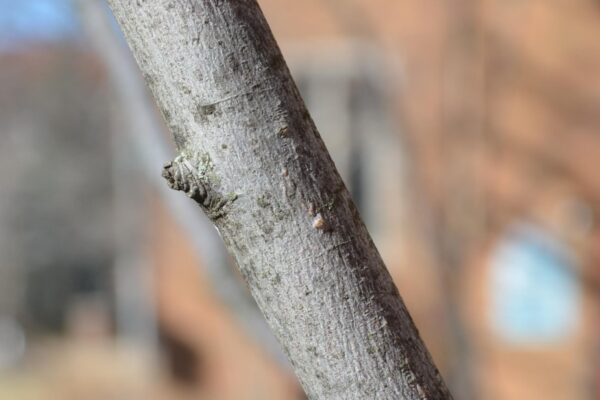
<point>193,176</point>
<point>179,174</point>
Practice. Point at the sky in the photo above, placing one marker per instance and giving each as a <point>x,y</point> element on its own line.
<point>23,21</point>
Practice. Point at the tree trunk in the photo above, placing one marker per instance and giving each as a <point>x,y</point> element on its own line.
<point>251,156</point>
<point>147,137</point>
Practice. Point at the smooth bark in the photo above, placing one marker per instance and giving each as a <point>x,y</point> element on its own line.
<point>251,156</point>
<point>147,136</point>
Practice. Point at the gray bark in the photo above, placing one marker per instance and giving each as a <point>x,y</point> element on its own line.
<point>251,156</point>
<point>147,137</point>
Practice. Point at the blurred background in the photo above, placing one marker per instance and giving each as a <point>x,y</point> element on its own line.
<point>467,131</point>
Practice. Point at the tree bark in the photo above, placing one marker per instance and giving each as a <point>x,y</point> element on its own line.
<point>251,156</point>
<point>147,137</point>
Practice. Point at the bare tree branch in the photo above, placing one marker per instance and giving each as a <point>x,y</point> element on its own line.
<point>146,133</point>
<point>251,157</point>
